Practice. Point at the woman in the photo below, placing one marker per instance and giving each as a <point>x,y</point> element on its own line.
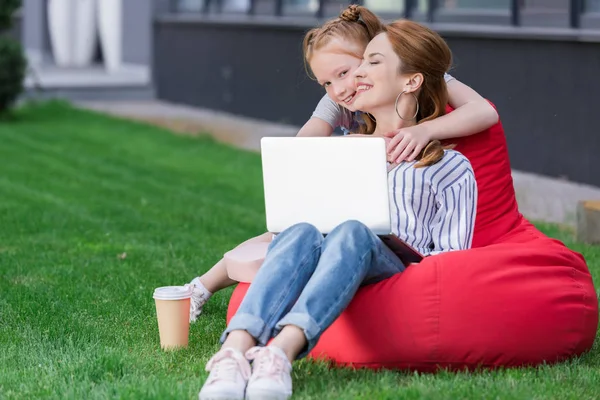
<point>307,280</point>
<point>332,52</point>
<point>516,298</point>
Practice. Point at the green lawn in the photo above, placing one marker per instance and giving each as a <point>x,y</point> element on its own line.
<point>95,213</point>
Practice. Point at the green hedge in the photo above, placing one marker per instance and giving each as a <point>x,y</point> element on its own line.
<point>7,8</point>
<point>12,72</point>
<point>12,60</point>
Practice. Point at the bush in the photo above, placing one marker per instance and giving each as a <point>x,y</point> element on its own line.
<point>7,8</point>
<point>12,72</point>
<point>12,60</point>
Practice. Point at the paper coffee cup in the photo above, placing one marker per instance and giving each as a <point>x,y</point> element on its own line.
<point>173,315</point>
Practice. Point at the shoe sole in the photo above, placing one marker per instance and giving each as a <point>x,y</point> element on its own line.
<point>266,395</point>
<point>219,397</point>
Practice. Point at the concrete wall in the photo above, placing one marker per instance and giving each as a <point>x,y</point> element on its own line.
<point>137,31</point>
<point>545,86</point>
<point>35,31</point>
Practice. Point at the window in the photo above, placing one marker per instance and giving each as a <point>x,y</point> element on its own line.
<point>189,5</point>
<point>592,5</point>
<point>485,4</point>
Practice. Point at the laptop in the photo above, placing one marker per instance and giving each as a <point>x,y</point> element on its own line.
<point>325,181</point>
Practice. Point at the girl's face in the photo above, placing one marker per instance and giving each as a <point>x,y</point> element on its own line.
<point>334,66</point>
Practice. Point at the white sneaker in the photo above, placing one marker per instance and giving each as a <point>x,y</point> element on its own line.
<point>229,373</point>
<point>200,296</point>
<point>271,374</point>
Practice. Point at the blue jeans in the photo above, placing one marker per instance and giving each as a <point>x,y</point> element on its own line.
<point>307,280</point>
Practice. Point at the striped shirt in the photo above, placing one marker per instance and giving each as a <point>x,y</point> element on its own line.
<point>433,208</point>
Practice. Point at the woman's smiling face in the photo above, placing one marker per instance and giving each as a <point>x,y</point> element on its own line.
<point>378,79</point>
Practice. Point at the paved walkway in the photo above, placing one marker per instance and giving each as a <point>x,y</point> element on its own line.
<point>540,198</point>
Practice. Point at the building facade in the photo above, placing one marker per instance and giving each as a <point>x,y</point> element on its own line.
<point>536,60</point>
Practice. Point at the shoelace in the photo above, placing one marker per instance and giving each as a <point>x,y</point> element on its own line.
<point>267,364</point>
<point>224,366</point>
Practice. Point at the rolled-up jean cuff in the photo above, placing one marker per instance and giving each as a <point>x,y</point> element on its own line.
<point>312,332</point>
<point>255,326</point>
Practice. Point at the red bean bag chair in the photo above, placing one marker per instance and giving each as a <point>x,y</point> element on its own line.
<point>516,298</point>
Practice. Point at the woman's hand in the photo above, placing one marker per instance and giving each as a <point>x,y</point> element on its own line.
<point>407,143</point>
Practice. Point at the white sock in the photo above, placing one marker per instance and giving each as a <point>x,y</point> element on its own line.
<point>196,282</point>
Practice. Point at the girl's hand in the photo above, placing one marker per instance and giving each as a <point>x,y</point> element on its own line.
<point>407,143</point>
<point>391,164</point>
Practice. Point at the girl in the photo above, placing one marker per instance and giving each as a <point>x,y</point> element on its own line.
<point>307,280</point>
<point>333,52</point>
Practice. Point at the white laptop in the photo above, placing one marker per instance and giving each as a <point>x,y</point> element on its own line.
<point>325,181</point>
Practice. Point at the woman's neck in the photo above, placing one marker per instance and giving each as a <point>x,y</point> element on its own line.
<point>388,121</point>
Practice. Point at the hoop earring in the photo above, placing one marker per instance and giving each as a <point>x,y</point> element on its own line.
<point>396,106</point>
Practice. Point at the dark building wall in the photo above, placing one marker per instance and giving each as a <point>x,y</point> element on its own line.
<point>546,94</point>
<point>545,88</point>
<point>250,70</point>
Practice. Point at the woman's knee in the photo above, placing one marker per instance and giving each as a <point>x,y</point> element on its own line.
<point>353,229</point>
<point>304,230</point>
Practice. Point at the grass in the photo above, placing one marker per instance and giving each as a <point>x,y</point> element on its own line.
<point>96,212</point>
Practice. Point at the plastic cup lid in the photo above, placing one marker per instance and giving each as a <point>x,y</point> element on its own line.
<point>173,292</point>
